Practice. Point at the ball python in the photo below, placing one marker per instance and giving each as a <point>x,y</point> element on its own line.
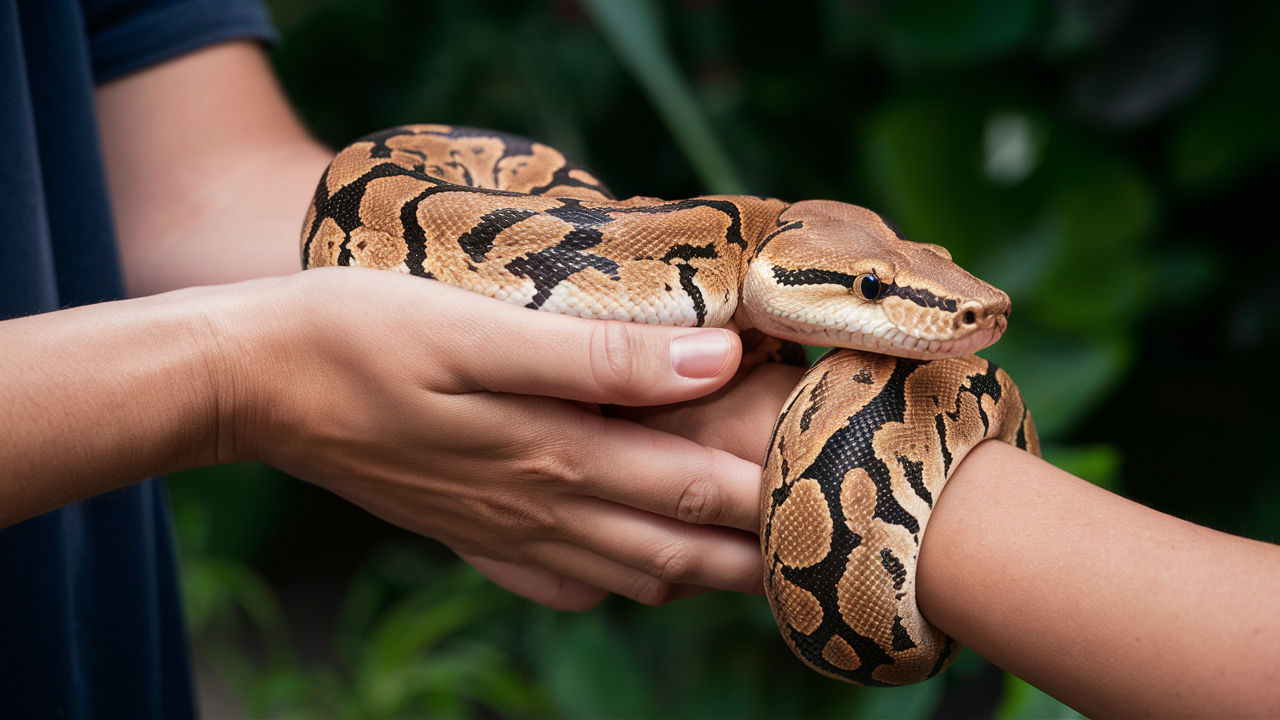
<point>863,445</point>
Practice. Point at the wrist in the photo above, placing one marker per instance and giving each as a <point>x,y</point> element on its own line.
<point>101,396</point>
<point>250,364</point>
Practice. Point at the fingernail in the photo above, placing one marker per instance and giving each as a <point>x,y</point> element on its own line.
<point>699,355</point>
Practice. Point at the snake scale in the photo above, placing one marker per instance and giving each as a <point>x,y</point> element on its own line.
<point>864,444</point>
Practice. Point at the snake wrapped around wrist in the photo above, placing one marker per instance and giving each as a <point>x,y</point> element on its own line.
<point>867,440</point>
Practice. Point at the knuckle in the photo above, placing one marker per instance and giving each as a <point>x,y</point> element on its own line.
<point>674,564</point>
<point>532,519</point>
<point>547,467</point>
<point>613,359</point>
<point>651,591</point>
<point>516,521</point>
<point>701,502</point>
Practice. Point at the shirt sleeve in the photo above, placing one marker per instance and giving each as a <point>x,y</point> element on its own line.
<point>128,35</point>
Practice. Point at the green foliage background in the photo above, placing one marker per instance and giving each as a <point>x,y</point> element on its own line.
<point>1109,164</point>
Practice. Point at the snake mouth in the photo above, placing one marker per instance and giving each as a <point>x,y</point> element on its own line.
<point>888,340</point>
<point>881,335</point>
<point>919,336</point>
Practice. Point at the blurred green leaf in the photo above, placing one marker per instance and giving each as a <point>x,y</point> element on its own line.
<point>633,28</point>
<point>416,625</point>
<point>416,661</point>
<point>588,668</point>
<point>218,589</point>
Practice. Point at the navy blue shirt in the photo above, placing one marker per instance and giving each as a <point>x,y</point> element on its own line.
<point>90,618</point>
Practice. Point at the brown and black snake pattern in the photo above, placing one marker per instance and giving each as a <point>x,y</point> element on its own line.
<point>864,445</point>
<point>866,441</point>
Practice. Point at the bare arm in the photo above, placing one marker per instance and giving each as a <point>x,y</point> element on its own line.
<point>209,168</point>
<point>406,396</point>
<point>209,172</point>
<point>1113,608</point>
<point>1110,606</point>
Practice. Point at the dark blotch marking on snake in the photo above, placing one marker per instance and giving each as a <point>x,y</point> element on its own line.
<point>894,567</point>
<point>562,178</point>
<point>816,396</point>
<point>684,253</point>
<point>317,199</point>
<point>343,207</point>
<point>914,470</point>
<point>578,215</point>
<point>980,384</point>
<point>941,426</point>
<point>380,147</point>
<point>901,640</point>
<point>478,241</point>
<point>551,266</point>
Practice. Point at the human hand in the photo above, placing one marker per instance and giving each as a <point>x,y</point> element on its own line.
<point>458,417</point>
<point>738,418</point>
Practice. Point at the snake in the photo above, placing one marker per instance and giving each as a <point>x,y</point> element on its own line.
<point>868,438</point>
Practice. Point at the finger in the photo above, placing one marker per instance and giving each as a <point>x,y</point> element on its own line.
<point>618,579</point>
<point>656,554</point>
<point>588,455</point>
<point>737,418</point>
<point>500,347</point>
<point>540,585</point>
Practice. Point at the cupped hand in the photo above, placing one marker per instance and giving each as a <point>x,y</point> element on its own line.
<point>472,421</point>
<point>737,418</point>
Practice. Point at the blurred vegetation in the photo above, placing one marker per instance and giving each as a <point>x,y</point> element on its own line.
<point>1106,163</point>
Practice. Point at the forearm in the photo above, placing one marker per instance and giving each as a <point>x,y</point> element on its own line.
<point>1111,607</point>
<point>97,397</point>
<point>210,170</point>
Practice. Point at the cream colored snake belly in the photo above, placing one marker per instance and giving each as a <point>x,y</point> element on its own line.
<point>864,444</point>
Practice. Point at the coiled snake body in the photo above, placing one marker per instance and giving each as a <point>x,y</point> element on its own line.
<point>864,444</point>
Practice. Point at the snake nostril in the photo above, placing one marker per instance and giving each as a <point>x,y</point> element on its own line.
<point>970,318</point>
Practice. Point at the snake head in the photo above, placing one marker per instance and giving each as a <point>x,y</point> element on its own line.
<point>838,275</point>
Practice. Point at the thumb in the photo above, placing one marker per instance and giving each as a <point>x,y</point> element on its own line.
<point>504,348</point>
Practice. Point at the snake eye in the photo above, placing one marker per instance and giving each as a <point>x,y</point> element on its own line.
<point>870,286</point>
